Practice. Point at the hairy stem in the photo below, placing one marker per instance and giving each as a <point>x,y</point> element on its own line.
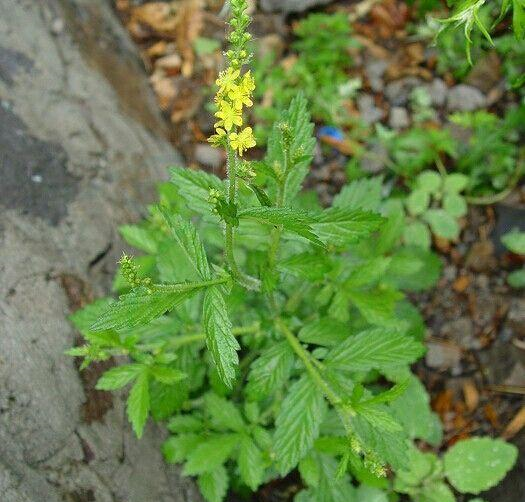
<point>229,235</point>
<point>307,360</point>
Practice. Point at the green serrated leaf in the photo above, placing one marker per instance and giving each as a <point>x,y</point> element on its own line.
<point>292,220</point>
<point>270,371</point>
<point>364,194</point>
<point>301,129</point>
<point>251,465</point>
<point>374,348</point>
<point>118,377</point>
<point>377,305</point>
<point>437,492</point>
<point>142,306</point>
<point>185,234</point>
<point>167,375</point>
<point>176,448</point>
<point>309,470</point>
<point>140,238</point>
<point>194,187</point>
<point>340,227</point>
<point>138,404</point>
<point>224,414</point>
<point>214,484</point>
<point>210,454</point>
<point>297,423</point>
<point>310,266</point>
<point>326,332</point>
<point>184,424</point>
<point>219,337</point>
<point>370,494</point>
<point>477,464</point>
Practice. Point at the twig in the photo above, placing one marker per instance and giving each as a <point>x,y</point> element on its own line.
<point>361,9</point>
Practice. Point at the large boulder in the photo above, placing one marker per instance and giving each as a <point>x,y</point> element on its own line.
<point>82,146</point>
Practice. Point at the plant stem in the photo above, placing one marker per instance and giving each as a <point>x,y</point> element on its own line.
<point>306,358</point>
<point>189,286</point>
<point>229,233</point>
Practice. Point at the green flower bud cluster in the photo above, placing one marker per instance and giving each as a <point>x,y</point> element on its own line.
<point>131,274</point>
<point>239,55</point>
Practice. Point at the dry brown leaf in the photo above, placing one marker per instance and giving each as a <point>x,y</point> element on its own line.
<point>161,17</point>
<point>157,50</point>
<point>515,425</point>
<point>170,64</point>
<point>491,415</point>
<point>461,283</point>
<point>471,395</point>
<point>164,87</point>
<point>189,27</point>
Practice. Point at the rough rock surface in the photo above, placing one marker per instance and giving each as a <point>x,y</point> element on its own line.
<point>287,6</point>
<point>82,147</point>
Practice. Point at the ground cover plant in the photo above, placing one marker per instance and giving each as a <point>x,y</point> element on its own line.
<point>273,334</point>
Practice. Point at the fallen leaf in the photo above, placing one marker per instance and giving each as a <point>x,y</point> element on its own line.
<point>471,395</point>
<point>515,425</point>
<point>461,283</point>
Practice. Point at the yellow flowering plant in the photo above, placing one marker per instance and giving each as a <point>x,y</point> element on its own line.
<point>272,334</point>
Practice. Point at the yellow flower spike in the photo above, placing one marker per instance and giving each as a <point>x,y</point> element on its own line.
<point>227,80</point>
<point>229,116</point>
<point>239,97</point>
<point>243,140</point>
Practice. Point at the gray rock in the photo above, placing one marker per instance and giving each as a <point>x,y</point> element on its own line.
<point>398,91</point>
<point>208,156</point>
<point>375,69</point>
<point>370,113</point>
<point>437,90</point>
<point>375,159</point>
<point>287,6</point>
<point>461,331</point>
<point>442,356</point>
<point>399,118</point>
<point>516,316</point>
<point>83,145</point>
<point>465,98</point>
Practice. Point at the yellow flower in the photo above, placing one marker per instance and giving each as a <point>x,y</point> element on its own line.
<point>243,140</point>
<point>229,116</point>
<point>248,83</point>
<point>240,97</point>
<point>216,139</point>
<point>227,80</point>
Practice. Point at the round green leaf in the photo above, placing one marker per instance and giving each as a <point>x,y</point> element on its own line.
<point>429,181</point>
<point>455,183</point>
<point>436,492</point>
<point>477,464</point>
<point>455,205</point>
<point>442,223</point>
<point>417,234</point>
<point>517,279</point>
<point>515,241</point>
<point>417,202</point>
